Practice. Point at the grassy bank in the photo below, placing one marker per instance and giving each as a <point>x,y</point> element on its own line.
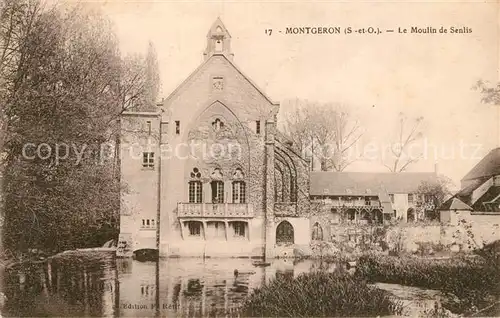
<point>470,283</point>
<point>319,294</point>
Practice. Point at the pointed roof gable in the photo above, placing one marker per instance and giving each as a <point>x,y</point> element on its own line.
<point>187,80</point>
<point>218,24</point>
<point>487,167</point>
<point>210,53</point>
<point>455,203</point>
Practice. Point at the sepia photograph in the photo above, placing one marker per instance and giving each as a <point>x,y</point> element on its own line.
<point>165,158</point>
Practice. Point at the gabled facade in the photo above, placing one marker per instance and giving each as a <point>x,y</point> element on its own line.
<point>208,175</point>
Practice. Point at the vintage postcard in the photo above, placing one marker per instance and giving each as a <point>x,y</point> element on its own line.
<point>249,159</point>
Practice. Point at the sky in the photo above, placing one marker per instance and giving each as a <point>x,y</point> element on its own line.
<point>377,76</point>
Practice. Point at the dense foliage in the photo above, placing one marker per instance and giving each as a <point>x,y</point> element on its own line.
<point>470,283</point>
<point>319,294</point>
<point>63,84</point>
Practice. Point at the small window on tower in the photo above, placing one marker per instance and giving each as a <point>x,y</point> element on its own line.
<point>148,127</point>
<point>177,127</point>
<point>257,127</point>
<point>218,45</point>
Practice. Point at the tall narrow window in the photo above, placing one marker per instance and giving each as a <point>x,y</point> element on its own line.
<point>317,233</point>
<point>257,127</point>
<point>195,192</point>
<point>239,192</point>
<point>148,160</point>
<point>148,127</point>
<point>293,191</point>
<point>177,127</point>
<point>217,191</point>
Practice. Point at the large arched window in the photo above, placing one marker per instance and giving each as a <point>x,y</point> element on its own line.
<point>284,233</point>
<point>239,187</point>
<point>239,192</point>
<point>317,232</point>
<point>217,191</point>
<point>195,187</point>
<point>217,186</point>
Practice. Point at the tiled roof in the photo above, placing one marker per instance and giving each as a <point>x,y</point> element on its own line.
<point>467,191</point>
<point>488,196</point>
<point>455,204</point>
<point>363,183</point>
<point>487,167</point>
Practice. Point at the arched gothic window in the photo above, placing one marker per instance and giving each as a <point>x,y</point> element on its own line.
<point>195,187</point>
<point>317,232</point>
<point>239,186</point>
<point>217,186</point>
<point>239,192</point>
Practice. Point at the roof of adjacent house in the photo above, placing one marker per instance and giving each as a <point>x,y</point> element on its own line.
<point>487,167</point>
<point>365,183</point>
<point>455,203</point>
<point>489,196</point>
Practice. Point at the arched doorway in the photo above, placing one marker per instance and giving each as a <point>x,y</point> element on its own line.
<point>284,233</point>
<point>317,232</point>
<point>410,215</point>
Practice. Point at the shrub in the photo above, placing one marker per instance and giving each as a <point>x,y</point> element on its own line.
<point>319,294</point>
<point>470,282</point>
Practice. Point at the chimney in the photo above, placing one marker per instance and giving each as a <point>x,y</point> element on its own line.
<point>436,168</point>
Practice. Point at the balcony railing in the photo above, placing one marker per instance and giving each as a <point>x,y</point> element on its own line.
<point>285,208</point>
<point>213,210</point>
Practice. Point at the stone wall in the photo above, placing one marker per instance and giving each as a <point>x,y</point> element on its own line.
<point>476,230</point>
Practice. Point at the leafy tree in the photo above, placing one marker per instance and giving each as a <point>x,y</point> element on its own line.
<point>64,85</point>
<point>490,93</point>
<point>432,194</point>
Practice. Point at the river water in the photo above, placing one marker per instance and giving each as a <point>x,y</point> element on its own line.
<point>98,284</point>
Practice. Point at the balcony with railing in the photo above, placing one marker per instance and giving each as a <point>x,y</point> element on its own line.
<point>215,210</point>
<point>285,208</point>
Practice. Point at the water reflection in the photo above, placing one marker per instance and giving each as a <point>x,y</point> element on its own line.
<point>98,284</point>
